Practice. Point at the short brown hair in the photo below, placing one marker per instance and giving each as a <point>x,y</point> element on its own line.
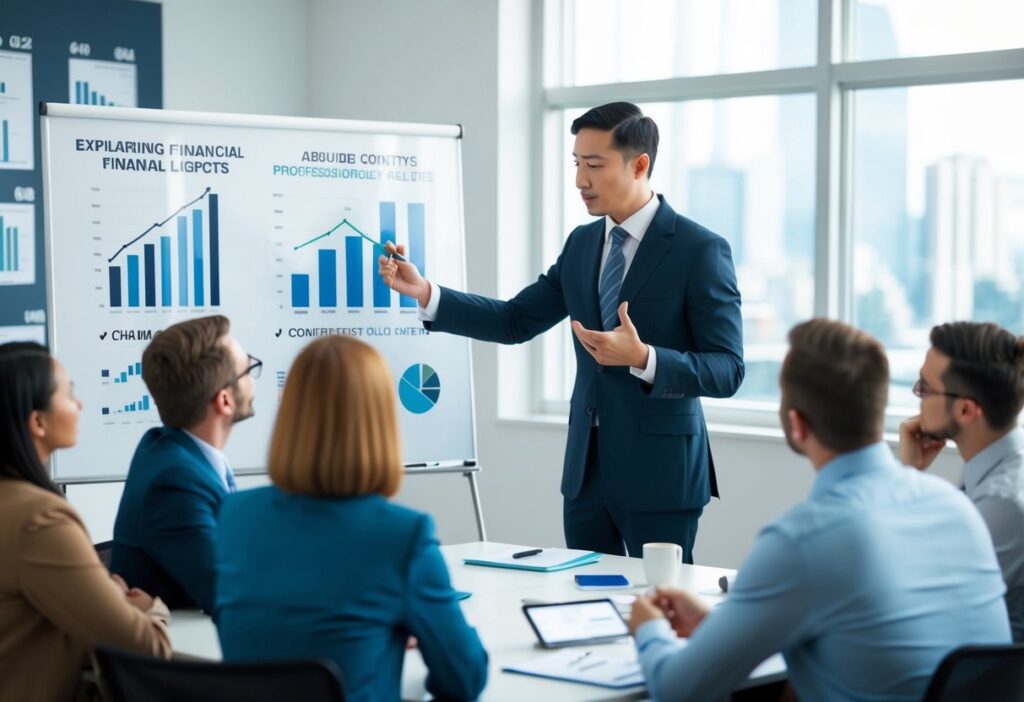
<point>837,378</point>
<point>336,432</point>
<point>986,364</point>
<point>185,366</point>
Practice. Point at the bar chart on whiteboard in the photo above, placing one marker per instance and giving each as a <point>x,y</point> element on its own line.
<point>277,229</point>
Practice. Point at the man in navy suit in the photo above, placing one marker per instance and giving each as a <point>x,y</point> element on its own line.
<point>655,313</point>
<point>203,384</point>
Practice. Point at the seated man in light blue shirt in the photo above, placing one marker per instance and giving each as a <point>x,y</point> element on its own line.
<point>971,389</point>
<point>203,384</point>
<point>866,585</point>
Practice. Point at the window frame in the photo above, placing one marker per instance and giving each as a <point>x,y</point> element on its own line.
<point>833,81</point>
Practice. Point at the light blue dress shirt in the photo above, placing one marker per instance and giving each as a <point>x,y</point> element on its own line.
<point>217,459</point>
<point>994,480</point>
<point>864,587</point>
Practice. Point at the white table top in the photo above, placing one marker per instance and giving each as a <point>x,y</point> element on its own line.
<point>495,609</point>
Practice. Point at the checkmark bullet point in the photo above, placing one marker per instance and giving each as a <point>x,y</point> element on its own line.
<point>103,336</point>
<point>278,333</point>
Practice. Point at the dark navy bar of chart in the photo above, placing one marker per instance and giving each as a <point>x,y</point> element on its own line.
<point>214,250</point>
<point>381,291</point>
<point>182,261</point>
<point>354,271</point>
<point>300,290</point>
<point>165,271</point>
<point>417,241</point>
<point>149,258</point>
<point>197,256</point>
<point>115,286</point>
<point>328,273</point>
<point>133,281</point>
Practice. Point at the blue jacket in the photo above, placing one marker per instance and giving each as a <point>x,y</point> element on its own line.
<point>684,301</point>
<point>167,520</point>
<point>347,579</point>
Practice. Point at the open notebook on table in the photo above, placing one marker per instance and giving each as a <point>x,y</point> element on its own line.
<point>544,560</point>
<point>588,667</point>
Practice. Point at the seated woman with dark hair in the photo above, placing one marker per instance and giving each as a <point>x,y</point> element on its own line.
<point>57,600</point>
<point>322,564</point>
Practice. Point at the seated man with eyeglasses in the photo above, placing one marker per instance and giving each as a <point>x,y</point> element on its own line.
<point>202,382</point>
<point>972,390</point>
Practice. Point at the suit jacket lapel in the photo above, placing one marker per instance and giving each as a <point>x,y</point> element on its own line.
<point>655,244</point>
<point>590,265</point>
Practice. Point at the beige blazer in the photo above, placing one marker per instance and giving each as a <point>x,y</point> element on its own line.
<point>57,600</point>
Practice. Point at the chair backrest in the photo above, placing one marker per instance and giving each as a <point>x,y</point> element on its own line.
<point>128,677</point>
<point>979,674</point>
<point>103,550</point>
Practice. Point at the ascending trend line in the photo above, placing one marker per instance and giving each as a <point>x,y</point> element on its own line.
<point>157,225</point>
<point>346,223</point>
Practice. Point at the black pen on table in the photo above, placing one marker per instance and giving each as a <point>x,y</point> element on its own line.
<point>531,552</point>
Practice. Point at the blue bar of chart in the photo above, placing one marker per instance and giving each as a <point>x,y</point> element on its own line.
<point>354,271</point>
<point>197,255</point>
<point>17,244</point>
<point>9,259</point>
<point>133,281</point>
<point>328,275</point>
<point>417,257</point>
<point>95,82</point>
<point>17,113</point>
<point>180,252</point>
<point>150,263</point>
<point>381,291</point>
<point>300,290</point>
<point>85,96</point>
<point>357,265</point>
<point>165,271</point>
<point>133,370</point>
<point>140,405</point>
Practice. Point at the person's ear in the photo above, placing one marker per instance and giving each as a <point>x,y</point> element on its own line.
<point>797,426</point>
<point>223,402</point>
<point>640,165</point>
<point>36,425</point>
<point>966,410</point>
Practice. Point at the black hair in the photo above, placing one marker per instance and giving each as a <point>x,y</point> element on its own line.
<point>632,132</point>
<point>986,364</point>
<point>27,384</point>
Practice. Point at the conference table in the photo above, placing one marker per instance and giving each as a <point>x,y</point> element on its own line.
<point>495,609</point>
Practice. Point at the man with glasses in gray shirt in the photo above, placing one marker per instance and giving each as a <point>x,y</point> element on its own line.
<point>972,390</point>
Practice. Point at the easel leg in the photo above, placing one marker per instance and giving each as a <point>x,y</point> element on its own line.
<point>477,508</point>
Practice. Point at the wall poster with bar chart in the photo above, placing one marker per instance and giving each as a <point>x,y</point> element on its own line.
<point>107,50</point>
<point>156,217</point>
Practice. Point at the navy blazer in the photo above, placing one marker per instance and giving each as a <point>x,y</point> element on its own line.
<point>344,578</point>
<point>167,521</point>
<point>684,301</point>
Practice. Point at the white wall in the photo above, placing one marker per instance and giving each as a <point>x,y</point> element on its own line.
<point>443,61</point>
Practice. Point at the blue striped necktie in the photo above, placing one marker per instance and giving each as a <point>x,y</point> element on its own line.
<point>611,280</point>
<point>230,479</point>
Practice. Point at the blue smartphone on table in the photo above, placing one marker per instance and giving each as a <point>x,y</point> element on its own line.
<point>601,582</point>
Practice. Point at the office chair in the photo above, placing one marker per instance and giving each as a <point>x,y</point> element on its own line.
<point>103,550</point>
<point>979,674</point>
<point>128,677</point>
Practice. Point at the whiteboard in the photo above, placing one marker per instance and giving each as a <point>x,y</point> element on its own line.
<point>153,217</point>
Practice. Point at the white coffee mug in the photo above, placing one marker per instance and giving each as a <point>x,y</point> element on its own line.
<point>661,563</point>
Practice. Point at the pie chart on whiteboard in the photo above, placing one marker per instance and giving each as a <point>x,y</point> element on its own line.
<point>419,388</point>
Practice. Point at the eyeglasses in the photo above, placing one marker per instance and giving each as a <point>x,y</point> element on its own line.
<point>255,369</point>
<point>921,389</point>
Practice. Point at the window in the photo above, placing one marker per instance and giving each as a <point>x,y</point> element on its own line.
<point>857,169</point>
<point>684,38</point>
<point>937,216</point>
